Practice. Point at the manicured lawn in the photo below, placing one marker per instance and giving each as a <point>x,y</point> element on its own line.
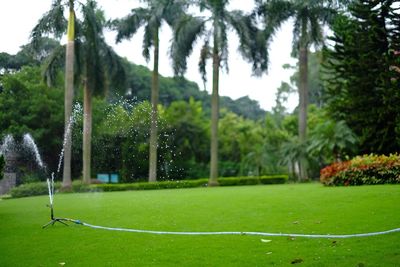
<point>303,208</point>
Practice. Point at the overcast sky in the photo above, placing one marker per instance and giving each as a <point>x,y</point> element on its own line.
<point>18,17</point>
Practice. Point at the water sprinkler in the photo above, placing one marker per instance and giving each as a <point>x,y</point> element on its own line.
<point>53,220</point>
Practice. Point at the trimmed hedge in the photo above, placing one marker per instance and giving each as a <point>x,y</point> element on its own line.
<point>35,189</point>
<point>368,169</point>
<point>225,181</point>
<point>151,186</point>
<point>31,189</point>
<point>248,180</point>
<point>40,188</point>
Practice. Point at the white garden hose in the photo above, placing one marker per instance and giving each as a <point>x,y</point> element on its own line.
<point>50,185</point>
<point>231,233</point>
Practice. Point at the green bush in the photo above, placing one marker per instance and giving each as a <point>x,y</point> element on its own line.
<point>79,187</point>
<point>150,186</point>
<point>28,177</point>
<point>32,189</point>
<point>230,181</point>
<point>252,180</point>
<point>274,179</point>
<point>40,188</point>
<point>367,169</point>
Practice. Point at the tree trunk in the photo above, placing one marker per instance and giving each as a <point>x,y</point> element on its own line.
<point>87,131</point>
<point>154,114</point>
<point>303,98</point>
<point>68,99</point>
<point>213,181</point>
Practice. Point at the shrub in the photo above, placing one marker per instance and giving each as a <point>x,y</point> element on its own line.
<point>40,188</point>
<point>229,181</point>
<point>274,179</point>
<point>367,169</point>
<point>79,187</point>
<point>150,186</point>
<point>253,180</point>
<point>28,177</point>
<point>32,189</point>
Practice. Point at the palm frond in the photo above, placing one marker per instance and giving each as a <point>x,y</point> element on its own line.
<point>52,22</point>
<point>54,62</point>
<point>108,71</point>
<point>296,36</point>
<point>148,40</point>
<point>315,32</point>
<point>275,13</point>
<point>205,54</point>
<point>253,42</point>
<point>115,70</point>
<point>222,34</point>
<point>174,10</point>
<point>187,30</point>
<point>92,25</point>
<point>100,64</point>
<point>128,26</point>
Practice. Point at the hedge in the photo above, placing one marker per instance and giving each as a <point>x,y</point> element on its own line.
<point>40,188</point>
<point>32,189</point>
<point>367,169</point>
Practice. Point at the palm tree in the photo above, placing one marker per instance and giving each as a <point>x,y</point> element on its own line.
<point>151,18</point>
<point>69,95</point>
<point>309,18</point>
<point>97,66</point>
<point>53,22</point>
<point>214,30</point>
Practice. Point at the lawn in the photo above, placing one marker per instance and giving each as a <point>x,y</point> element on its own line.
<point>298,208</point>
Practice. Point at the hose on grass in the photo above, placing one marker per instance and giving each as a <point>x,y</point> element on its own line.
<point>53,220</point>
<point>231,233</point>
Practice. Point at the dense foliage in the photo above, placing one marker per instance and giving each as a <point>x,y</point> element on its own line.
<point>353,111</point>
<point>361,87</point>
<point>368,169</point>
<point>29,106</point>
<point>121,127</point>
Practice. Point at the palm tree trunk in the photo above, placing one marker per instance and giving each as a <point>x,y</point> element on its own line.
<point>69,96</point>
<point>154,115</point>
<point>87,131</point>
<point>214,117</point>
<point>303,96</point>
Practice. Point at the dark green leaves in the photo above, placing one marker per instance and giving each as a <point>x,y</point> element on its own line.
<point>188,29</point>
<point>53,22</point>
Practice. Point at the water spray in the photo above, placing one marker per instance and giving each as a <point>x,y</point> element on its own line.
<point>50,183</point>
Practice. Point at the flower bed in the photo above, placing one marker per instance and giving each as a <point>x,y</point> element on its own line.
<point>367,169</point>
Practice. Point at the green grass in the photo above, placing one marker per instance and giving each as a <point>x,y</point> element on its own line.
<point>302,208</point>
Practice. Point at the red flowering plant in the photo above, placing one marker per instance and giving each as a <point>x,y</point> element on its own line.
<point>329,172</point>
<point>367,169</point>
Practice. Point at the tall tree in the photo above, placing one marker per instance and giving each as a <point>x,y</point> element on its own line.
<point>69,95</point>
<point>151,17</point>
<point>309,18</point>
<point>214,28</point>
<point>361,85</point>
<point>53,22</point>
<point>98,67</point>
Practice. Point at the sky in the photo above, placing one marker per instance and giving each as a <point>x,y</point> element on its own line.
<point>238,82</point>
